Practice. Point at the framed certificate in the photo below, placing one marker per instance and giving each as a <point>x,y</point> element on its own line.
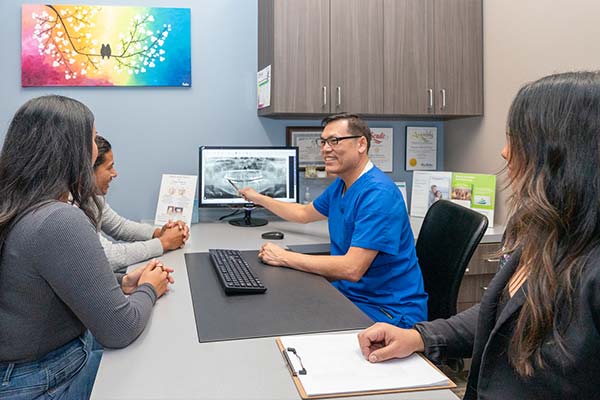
<point>421,148</point>
<point>305,138</point>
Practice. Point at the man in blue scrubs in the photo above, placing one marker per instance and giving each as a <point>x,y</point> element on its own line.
<point>373,260</point>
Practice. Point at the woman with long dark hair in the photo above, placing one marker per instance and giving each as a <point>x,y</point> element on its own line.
<point>57,291</point>
<point>536,333</point>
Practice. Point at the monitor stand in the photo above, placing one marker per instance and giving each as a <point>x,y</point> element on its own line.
<point>248,220</point>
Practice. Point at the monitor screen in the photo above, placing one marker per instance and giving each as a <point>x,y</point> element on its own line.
<point>272,171</point>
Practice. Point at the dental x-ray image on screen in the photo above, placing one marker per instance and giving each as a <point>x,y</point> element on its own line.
<point>272,171</point>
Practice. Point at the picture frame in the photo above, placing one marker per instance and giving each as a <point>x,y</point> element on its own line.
<point>421,148</point>
<point>304,137</point>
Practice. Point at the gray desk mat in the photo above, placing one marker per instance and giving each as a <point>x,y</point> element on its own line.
<point>315,249</point>
<point>295,302</point>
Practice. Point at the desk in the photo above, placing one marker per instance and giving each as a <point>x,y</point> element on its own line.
<point>167,362</point>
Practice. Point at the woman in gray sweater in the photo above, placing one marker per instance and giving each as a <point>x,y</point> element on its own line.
<point>56,286</point>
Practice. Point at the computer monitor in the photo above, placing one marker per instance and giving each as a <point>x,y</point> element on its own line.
<point>272,171</point>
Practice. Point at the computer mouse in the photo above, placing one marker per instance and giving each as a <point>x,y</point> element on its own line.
<point>273,235</point>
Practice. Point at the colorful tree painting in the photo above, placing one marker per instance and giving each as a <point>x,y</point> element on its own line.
<point>67,45</point>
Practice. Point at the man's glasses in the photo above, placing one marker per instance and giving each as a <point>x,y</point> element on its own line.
<point>333,141</point>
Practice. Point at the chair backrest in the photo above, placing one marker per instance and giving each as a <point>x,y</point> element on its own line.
<point>447,239</point>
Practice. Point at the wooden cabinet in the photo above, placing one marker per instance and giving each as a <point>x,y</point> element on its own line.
<point>480,271</point>
<point>293,38</point>
<point>458,53</point>
<point>356,56</point>
<point>320,61</point>
<point>372,57</point>
<point>408,65</point>
<point>433,63</point>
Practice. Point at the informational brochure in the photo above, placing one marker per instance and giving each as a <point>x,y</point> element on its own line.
<point>176,199</point>
<point>427,188</point>
<point>263,89</point>
<point>474,191</point>
<point>402,187</point>
<point>382,148</point>
<point>421,148</point>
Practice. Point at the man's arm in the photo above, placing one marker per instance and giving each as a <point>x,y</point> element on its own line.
<point>302,213</point>
<point>351,266</point>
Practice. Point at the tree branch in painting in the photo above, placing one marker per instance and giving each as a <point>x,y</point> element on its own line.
<point>65,34</point>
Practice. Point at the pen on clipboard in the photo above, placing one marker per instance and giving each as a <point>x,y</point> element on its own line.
<point>302,370</point>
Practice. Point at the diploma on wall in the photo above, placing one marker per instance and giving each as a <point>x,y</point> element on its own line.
<point>331,365</point>
<point>176,199</point>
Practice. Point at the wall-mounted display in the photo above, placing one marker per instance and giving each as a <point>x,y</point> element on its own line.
<point>68,45</point>
<point>305,138</point>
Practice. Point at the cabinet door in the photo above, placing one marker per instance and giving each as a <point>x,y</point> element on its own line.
<point>458,50</point>
<point>300,71</point>
<point>357,56</point>
<point>408,57</point>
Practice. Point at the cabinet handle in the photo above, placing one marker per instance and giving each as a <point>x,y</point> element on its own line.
<point>492,260</point>
<point>467,270</point>
<point>430,95</point>
<point>339,96</point>
<point>324,90</point>
<point>443,92</point>
<point>484,288</point>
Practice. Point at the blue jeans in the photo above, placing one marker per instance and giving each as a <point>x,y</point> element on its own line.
<point>65,373</point>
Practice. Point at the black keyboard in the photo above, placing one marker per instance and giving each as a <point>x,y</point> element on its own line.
<point>234,273</point>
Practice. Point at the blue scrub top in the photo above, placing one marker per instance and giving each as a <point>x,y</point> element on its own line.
<point>372,215</point>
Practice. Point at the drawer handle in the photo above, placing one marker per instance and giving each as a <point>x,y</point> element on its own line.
<point>443,92</point>
<point>484,288</point>
<point>492,260</point>
<point>467,270</point>
<point>430,95</point>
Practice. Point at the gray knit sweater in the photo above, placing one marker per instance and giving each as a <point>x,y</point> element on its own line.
<point>55,282</point>
<point>135,240</point>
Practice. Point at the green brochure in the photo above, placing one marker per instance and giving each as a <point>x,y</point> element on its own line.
<point>476,191</point>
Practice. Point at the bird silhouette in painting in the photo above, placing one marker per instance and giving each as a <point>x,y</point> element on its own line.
<point>105,51</point>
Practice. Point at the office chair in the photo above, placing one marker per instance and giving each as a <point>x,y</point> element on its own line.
<point>447,239</point>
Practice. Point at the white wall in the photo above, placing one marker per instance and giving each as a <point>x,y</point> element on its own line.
<point>523,41</point>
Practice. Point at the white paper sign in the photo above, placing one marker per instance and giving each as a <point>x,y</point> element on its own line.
<point>427,188</point>
<point>402,187</point>
<point>263,89</point>
<point>382,148</point>
<point>421,148</point>
<point>176,199</point>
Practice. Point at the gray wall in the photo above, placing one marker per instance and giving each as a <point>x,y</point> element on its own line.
<point>158,130</point>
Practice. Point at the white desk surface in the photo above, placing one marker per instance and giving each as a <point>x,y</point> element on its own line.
<point>168,362</point>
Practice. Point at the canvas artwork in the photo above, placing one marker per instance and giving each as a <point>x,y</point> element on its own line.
<point>78,45</point>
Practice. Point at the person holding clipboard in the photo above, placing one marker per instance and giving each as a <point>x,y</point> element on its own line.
<point>536,333</point>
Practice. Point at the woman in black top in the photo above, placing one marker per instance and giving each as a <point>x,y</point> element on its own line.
<point>536,333</point>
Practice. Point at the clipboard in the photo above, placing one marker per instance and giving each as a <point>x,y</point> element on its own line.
<point>296,366</point>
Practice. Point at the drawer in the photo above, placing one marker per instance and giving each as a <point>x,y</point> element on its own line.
<point>484,260</point>
<point>473,287</point>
